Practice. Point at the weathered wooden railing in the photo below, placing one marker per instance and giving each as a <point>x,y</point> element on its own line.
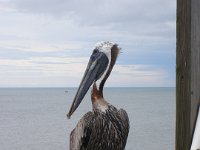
<point>187,71</point>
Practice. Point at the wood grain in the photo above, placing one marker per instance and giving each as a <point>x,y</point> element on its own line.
<point>187,70</point>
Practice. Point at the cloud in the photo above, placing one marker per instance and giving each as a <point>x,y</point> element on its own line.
<point>102,11</point>
<point>129,19</point>
<point>138,75</point>
<point>37,71</point>
<point>48,42</point>
<point>69,71</point>
<point>129,22</point>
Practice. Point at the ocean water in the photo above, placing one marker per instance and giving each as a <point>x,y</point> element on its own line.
<point>35,118</point>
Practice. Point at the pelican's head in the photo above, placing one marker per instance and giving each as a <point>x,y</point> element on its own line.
<point>100,65</point>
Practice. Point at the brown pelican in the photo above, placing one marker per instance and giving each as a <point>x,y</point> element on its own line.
<point>106,127</point>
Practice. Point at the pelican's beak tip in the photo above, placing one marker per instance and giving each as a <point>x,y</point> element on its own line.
<point>68,116</point>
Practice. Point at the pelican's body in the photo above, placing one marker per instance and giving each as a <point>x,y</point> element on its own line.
<point>106,127</point>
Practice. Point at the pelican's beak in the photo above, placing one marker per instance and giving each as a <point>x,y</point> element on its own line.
<point>96,67</point>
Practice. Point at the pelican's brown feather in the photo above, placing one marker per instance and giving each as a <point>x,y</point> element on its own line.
<point>80,135</point>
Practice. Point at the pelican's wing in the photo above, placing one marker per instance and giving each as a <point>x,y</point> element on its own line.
<point>124,116</point>
<point>80,136</point>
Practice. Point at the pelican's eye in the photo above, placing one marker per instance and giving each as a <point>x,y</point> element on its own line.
<point>95,51</point>
<point>94,54</point>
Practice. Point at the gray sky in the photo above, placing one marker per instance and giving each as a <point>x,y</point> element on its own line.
<point>47,43</point>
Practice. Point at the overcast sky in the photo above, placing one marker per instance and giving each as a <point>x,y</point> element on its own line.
<point>47,43</point>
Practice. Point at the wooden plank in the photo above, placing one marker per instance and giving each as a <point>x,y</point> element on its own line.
<point>195,62</point>
<point>187,71</point>
<point>183,52</point>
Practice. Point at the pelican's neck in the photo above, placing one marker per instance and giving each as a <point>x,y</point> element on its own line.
<point>97,93</point>
<point>98,102</point>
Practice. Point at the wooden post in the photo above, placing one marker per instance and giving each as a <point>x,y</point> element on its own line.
<point>187,71</point>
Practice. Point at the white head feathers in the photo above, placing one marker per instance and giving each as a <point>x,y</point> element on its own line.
<point>104,47</point>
